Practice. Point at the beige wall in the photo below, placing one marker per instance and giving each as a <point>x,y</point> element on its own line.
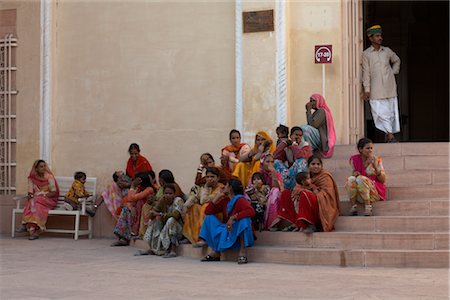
<point>314,23</point>
<point>158,74</point>
<point>28,85</point>
<point>259,77</point>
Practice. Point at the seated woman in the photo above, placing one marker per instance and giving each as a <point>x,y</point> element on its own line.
<point>195,206</point>
<point>299,208</point>
<point>291,157</point>
<point>206,161</point>
<point>136,163</point>
<point>43,193</point>
<point>235,150</point>
<point>367,183</point>
<point>164,177</point>
<point>164,230</point>
<point>249,162</point>
<point>325,188</point>
<point>272,179</point>
<point>127,225</point>
<point>115,192</point>
<point>319,132</point>
<point>235,232</point>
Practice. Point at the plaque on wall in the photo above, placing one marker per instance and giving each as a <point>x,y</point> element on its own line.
<point>257,21</point>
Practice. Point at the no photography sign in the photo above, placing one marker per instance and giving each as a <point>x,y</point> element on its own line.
<point>323,54</point>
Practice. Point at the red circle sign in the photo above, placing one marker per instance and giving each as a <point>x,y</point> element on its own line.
<point>323,54</point>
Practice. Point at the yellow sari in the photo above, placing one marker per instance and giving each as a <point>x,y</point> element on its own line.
<point>244,170</point>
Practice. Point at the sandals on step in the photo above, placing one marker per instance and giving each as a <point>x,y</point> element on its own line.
<point>200,245</point>
<point>211,258</point>
<point>242,260</point>
<point>289,228</point>
<point>169,255</point>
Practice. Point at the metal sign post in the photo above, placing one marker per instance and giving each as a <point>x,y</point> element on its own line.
<point>323,54</point>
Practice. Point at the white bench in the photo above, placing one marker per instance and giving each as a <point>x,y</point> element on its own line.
<point>64,184</point>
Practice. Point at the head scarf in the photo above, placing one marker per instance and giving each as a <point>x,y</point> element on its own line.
<point>266,174</point>
<point>373,30</point>
<point>267,138</point>
<point>42,181</point>
<point>320,103</point>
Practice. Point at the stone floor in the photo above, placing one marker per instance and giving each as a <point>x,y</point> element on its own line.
<point>61,268</point>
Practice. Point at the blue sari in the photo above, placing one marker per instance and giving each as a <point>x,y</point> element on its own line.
<point>311,135</point>
<point>215,233</point>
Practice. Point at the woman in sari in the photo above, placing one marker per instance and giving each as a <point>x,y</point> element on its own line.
<point>43,193</point>
<point>194,208</point>
<point>367,182</point>
<point>273,179</point>
<point>319,132</point>
<point>164,177</point>
<point>114,193</point>
<point>128,223</point>
<point>250,161</point>
<point>325,188</point>
<point>291,157</point>
<point>164,230</point>
<point>136,163</point>
<point>235,150</point>
<point>235,232</point>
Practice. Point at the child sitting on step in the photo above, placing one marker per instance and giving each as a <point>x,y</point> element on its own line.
<point>257,192</point>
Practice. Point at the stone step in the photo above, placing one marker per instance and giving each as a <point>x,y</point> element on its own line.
<point>401,178</point>
<point>410,193</point>
<point>400,149</point>
<point>356,240</point>
<point>425,207</point>
<point>326,256</point>
<point>393,224</point>
<point>394,163</point>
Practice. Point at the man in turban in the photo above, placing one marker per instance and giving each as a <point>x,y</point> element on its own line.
<point>379,65</point>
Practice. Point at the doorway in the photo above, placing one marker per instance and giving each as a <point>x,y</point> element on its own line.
<point>418,31</point>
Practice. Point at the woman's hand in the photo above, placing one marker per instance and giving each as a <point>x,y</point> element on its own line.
<point>308,106</point>
<point>136,182</point>
<point>356,173</point>
<point>30,195</point>
<point>230,222</point>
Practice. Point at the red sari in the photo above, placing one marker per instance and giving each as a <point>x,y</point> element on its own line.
<point>36,210</point>
<point>142,165</point>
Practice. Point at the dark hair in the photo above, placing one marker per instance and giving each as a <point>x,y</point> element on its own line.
<point>134,146</point>
<point>38,162</point>
<point>213,170</point>
<point>258,175</point>
<point>209,155</point>
<point>167,176</point>
<point>79,175</point>
<point>236,186</point>
<point>295,128</point>
<point>170,186</point>
<point>115,176</point>
<point>362,142</point>
<point>234,131</point>
<point>313,158</point>
<point>300,177</point>
<point>282,129</point>
<point>144,178</point>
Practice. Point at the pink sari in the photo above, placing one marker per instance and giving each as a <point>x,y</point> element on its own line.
<point>36,211</point>
<point>358,164</point>
<point>320,103</point>
<point>113,198</point>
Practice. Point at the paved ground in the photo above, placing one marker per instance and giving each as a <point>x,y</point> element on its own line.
<point>61,268</point>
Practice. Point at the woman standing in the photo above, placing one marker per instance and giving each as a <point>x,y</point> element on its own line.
<point>367,182</point>
<point>291,157</point>
<point>250,161</point>
<point>136,163</point>
<point>320,132</point>
<point>43,193</point>
<point>235,150</point>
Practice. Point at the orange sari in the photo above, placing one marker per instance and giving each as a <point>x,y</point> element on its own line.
<point>328,199</point>
<point>243,170</point>
<point>142,165</point>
